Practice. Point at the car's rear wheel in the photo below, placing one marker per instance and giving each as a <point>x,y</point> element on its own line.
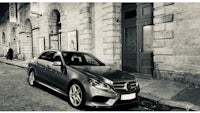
<point>76,95</point>
<point>31,78</point>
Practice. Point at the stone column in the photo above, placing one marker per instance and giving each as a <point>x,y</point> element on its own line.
<point>164,37</point>
<point>112,46</point>
<point>85,33</point>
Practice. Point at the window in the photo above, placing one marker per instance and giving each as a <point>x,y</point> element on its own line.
<point>130,14</point>
<point>90,60</point>
<point>56,58</point>
<point>80,59</point>
<point>47,56</point>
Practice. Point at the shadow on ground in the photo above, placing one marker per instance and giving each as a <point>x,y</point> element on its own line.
<point>190,94</point>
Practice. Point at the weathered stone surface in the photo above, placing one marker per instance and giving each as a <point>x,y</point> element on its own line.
<point>164,19</point>
<point>159,27</point>
<point>164,35</point>
<point>159,11</point>
<point>163,51</point>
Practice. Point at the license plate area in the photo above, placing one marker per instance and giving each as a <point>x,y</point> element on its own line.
<point>128,96</point>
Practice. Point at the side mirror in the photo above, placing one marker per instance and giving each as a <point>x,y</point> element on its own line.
<point>57,63</point>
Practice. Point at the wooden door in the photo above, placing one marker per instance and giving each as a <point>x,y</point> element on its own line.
<point>129,37</point>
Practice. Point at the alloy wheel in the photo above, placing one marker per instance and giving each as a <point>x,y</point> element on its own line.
<point>31,78</point>
<point>75,95</point>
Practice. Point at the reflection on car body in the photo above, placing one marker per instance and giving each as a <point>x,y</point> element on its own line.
<point>83,78</point>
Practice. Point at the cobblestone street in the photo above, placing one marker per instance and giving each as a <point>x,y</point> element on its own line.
<point>17,95</point>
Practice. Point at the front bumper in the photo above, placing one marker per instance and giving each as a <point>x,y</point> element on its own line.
<point>106,99</point>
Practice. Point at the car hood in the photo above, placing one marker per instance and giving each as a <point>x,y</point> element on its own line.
<point>106,72</point>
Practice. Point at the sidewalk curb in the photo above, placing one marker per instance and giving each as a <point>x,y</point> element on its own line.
<point>13,64</point>
<point>179,104</point>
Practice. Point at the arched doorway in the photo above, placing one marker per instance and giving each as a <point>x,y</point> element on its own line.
<point>4,48</point>
<point>27,40</point>
<point>55,30</point>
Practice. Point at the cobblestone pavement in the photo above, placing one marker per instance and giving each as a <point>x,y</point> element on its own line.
<point>17,95</point>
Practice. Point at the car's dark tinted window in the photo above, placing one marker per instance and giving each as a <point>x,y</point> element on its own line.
<point>47,55</point>
<point>56,58</point>
<point>80,59</point>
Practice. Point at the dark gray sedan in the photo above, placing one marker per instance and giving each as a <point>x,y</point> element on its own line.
<point>83,78</point>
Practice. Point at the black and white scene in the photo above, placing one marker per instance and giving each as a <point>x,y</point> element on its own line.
<point>99,56</point>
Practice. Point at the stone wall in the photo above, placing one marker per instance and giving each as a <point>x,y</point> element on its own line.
<point>177,42</point>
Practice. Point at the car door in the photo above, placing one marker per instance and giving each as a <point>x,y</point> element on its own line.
<point>44,62</point>
<point>59,73</point>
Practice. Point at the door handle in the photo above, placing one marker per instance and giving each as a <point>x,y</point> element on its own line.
<point>140,50</point>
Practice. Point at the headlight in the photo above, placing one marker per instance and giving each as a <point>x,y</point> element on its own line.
<point>100,85</point>
<point>137,82</point>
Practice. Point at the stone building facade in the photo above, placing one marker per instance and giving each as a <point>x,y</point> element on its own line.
<point>159,40</point>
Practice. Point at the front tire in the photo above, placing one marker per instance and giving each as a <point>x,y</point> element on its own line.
<point>31,78</point>
<point>76,95</point>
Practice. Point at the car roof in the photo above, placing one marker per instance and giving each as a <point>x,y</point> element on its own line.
<point>62,51</point>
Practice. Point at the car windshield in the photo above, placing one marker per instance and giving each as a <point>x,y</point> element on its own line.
<point>80,59</point>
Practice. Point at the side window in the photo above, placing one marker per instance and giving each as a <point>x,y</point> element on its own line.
<point>47,56</point>
<point>43,56</point>
<point>91,61</point>
<point>56,58</point>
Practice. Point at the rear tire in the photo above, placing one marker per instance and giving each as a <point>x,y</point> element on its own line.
<point>76,95</point>
<point>31,78</point>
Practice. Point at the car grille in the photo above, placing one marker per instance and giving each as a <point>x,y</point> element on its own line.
<point>124,86</point>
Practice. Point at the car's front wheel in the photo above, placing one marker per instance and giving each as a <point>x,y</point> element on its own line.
<point>31,78</point>
<point>76,95</point>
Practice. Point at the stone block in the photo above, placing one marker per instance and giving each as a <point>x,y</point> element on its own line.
<point>117,57</point>
<point>85,31</point>
<point>117,45</point>
<point>170,26</point>
<point>169,42</point>
<point>112,33</point>
<point>85,26</point>
<point>195,60</point>
<point>184,7</point>
<point>107,4</point>
<point>192,51</point>
<point>108,58</point>
<point>85,10</point>
<point>159,59</point>
<point>158,43</point>
<point>165,67</point>
<point>109,9</point>
<point>168,3</point>
<point>164,59</point>
<point>164,19</point>
<point>117,51</point>
<point>85,36</point>
<point>108,39</point>
<point>159,27</point>
<point>159,11</point>
<point>107,45</point>
<point>170,9</point>
<point>163,51</point>
<point>86,41</point>
<point>164,35</point>
<point>188,24</point>
<point>158,4</point>
<point>108,51</point>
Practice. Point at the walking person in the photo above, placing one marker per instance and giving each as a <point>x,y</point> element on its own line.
<point>10,54</point>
